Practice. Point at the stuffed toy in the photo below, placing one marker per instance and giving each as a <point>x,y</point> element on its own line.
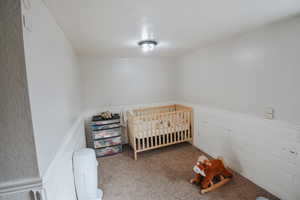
<point>210,174</point>
<point>106,115</point>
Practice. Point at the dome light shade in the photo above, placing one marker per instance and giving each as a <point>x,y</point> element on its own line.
<point>147,45</point>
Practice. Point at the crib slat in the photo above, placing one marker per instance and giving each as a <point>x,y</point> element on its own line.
<point>179,126</point>
<point>189,126</point>
<point>182,128</point>
<point>158,130</point>
<point>155,129</point>
<point>152,129</point>
<point>170,129</point>
<point>165,125</point>
<point>138,126</point>
<point>139,143</point>
<point>148,129</point>
<point>164,131</point>
<point>183,122</point>
<point>142,133</point>
<point>174,127</point>
<point>152,125</point>
<point>185,129</point>
<point>159,134</point>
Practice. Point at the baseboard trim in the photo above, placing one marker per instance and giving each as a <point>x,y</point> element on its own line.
<point>66,140</point>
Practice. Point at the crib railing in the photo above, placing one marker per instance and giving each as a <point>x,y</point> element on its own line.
<point>151,110</point>
<point>157,127</point>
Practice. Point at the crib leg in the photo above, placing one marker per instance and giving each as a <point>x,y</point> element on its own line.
<point>135,155</point>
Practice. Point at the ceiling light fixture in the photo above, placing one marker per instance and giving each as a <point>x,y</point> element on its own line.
<point>147,45</point>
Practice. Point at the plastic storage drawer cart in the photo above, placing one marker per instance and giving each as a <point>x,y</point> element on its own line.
<point>105,136</point>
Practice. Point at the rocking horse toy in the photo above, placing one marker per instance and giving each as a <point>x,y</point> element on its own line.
<point>210,174</point>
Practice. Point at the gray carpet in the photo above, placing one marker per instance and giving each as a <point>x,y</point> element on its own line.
<point>164,174</point>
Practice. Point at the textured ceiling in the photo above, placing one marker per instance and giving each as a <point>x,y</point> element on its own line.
<point>114,27</point>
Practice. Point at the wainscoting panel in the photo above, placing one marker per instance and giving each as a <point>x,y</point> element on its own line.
<point>265,151</point>
<point>59,180</point>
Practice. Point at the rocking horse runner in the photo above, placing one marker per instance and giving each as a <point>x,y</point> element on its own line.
<point>210,174</point>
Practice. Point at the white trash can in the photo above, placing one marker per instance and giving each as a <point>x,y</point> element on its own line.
<point>85,175</point>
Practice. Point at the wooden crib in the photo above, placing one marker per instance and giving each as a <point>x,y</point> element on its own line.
<point>155,127</point>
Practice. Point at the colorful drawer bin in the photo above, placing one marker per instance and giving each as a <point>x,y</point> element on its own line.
<point>106,133</point>
<point>103,127</point>
<point>107,142</point>
<point>108,151</point>
<point>104,122</point>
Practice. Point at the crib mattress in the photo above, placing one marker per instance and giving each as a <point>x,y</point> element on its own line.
<point>160,127</point>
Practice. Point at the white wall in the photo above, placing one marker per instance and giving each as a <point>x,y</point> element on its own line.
<point>53,79</point>
<point>247,73</point>
<point>124,81</point>
<point>229,84</point>
<point>18,162</point>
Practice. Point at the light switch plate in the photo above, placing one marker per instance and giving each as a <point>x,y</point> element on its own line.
<point>269,110</point>
<point>26,23</point>
<point>269,113</point>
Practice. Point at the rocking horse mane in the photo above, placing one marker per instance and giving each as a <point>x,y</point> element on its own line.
<point>211,169</point>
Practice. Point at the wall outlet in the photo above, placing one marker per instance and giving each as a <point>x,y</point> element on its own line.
<point>26,23</point>
<point>269,113</point>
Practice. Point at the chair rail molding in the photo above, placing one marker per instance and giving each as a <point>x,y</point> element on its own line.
<point>13,187</point>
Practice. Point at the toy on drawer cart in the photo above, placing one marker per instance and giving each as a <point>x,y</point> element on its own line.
<point>105,135</point>
<point>210,174</point>
<point>104,116</point>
